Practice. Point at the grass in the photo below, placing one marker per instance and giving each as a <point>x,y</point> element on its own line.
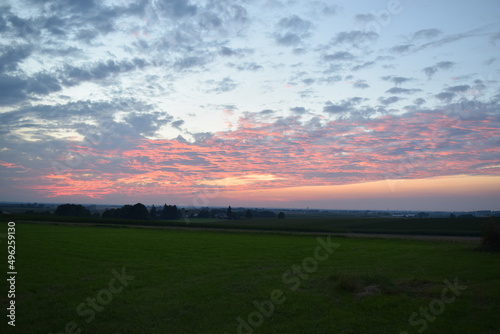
<point>432,226</point>
<point>202,281</point>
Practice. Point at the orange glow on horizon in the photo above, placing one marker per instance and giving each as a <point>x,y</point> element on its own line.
<point>448,185</point>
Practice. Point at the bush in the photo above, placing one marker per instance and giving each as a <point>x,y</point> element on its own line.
<point>490,239</point>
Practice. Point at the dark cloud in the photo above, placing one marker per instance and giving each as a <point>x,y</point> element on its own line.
<point>494,38</point>
<point>364,18</point>
<point>362,66</point>
<point>295,23</point>
<point>341,56</point>
<point>291,30</point>
<point>343,107</point>
<point>189,62</point>
<point>420,101</point>
<point>443,65</point>
<point>361,84</point>
<point>389,100</point>
<point>401,48</point>
<point>174,8</point>
<point>329,10</point>
<point>147,124</point>
<point>298,110</point>
<point>396,80</point>
<point>246,66</point>
<point>72,76</point>
<point>354,38</point>
<point>225,51</point>
<point>445,96</point>
<point>458,89</point>
<point>266,112</point>
<point>209,20</point>
<point>177,124</point>
<point>427,34</point>
<point>12,89</point>
<point>288,39</point>
<point>12,55</point>
<point>398,90</point>
<point>43,84</point>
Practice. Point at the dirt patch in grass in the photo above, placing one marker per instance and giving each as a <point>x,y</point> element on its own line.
<point>367,285</point>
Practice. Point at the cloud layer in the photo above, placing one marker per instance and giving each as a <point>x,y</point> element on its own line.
<point>117,100</point>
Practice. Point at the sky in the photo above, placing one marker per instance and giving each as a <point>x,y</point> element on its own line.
<point>258,103</point>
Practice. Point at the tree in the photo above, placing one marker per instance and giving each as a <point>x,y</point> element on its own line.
<point>169,212</point>
<point>137,211</point>
<point>73,210</point>
<point>248,214</point>
<point>281,215</point>
<point>229,213</point>
<point>152,212</point>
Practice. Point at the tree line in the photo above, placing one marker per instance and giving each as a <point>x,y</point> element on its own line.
<point>168,212</point>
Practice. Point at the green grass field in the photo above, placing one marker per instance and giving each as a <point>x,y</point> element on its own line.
<point>204,281</point>
<point>338,224</point>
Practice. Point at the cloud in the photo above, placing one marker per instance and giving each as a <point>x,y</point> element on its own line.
<point>177,124</point>
<point>420,101</point>
<point>458,89</point>
<point>71,75</point>
<point>362,66</point>
<point>361,84</point>
<point>174,8</point>
<point>12,89</point>
<point>355,38</point>
<point>445,96</point>
<point>231,52</point>
<point>494,38</point>
<point>298,110</point>
<point>427,34</point>
<point>292,30</point>
<point>398,90</point>
<point>225,85</point>
<point>12,55</point>
<point>389,100</point>
<point>443,65</point>
<point>295,23</point>
<point>344,106</point>
<point>364,18</point>
<point>288,39</point>
<point>189,62</point>
<point>341,56</point>
<point>403,48</point>
<point>147,124</point>
<point>396,79</point>
<point>246,66</point>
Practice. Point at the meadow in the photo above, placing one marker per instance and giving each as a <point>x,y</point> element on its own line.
<point>99,279</point>
<point>470,226</point>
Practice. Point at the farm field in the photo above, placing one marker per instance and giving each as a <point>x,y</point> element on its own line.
<point>338,224</point>
<point>79,279</point>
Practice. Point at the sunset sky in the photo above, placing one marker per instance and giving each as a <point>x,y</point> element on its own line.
<point>326,104</point>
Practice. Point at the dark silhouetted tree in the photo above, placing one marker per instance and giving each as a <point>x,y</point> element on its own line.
<point>169,212</point>
<point>137,211</point>
<point>72,210</point>
<point>281,215</point>
<point>109,213</point>
<point>229,213</point>
<point>152,212</point>
<point>248,214</point>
